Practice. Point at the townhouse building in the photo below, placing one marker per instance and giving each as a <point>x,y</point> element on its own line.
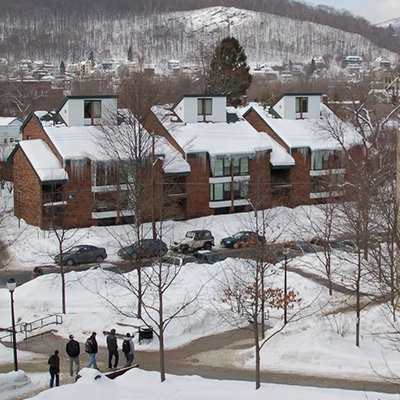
<point>302,126</point>
<point>65,173</point>
<point>229,159</point>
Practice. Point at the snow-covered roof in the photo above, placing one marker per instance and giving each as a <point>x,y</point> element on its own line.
<point>218,139</point>
<point>173,162</point>
<point>78,142</point>
<point>44,162</point>
<point>4,121</point>
<point>314,134</point>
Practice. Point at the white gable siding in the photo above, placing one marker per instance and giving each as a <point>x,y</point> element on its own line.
<point>73,111</point>
<point>286,107</point>
<point>186,109</point>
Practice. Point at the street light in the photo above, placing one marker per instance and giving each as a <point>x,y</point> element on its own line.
<point>11,285</point>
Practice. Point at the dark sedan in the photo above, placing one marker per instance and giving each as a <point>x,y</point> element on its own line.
<point>242,237</point>
<point>146,248</point>
<point>82,254</point>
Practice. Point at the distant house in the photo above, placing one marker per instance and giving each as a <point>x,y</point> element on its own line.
<point>64,176</point>
<point>10,130</point>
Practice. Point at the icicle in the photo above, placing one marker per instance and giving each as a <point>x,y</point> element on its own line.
<point>78,169</point>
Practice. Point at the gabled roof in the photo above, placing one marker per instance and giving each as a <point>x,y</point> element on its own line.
<point>94,97</point>
<point>45,164</point>
<point>5,121</point>
<point>306,133</point>
<point>294,94</point>
<point>200,96</point>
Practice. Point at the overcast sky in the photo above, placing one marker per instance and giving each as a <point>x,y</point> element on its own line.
<point>374,11</point>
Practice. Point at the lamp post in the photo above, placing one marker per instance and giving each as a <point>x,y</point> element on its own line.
<point>11,285</point>
<point>285,290</point>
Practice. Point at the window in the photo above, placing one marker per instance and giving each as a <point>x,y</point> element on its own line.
<point>301,105</point>
<point>92,109</point>
<point>222,167</point>
<point>222,191</point>
<point>105,174</point>
<point>325,159</point>
<point>204,107</point>
<point>321,160</point>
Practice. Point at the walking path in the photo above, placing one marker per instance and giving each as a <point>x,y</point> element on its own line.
<point>210,357</point>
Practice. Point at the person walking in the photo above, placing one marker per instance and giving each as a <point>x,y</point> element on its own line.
<point>112,347</point>
<point>73,350</point>
<point>128,347</point>
<point>91,348</point>
<point>54,362</point>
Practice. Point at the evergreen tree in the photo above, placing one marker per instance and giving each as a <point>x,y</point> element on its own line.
<point>229,72</point>
<point>130,53</point>
<point>91,58</point>
<point>62,68</point>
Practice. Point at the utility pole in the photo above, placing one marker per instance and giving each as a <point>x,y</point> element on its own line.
<point>397,225</point>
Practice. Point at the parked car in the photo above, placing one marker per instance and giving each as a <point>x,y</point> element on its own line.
<point>108,267</point>
<point>294,249</point>
<point>208,257</point>
<point>82,254</point>
<point>178,259</point>
<point>240,238</point>
<point>332,243</point>
<point>44,270</point>
<point>194,240</point>
<point>146,248</point>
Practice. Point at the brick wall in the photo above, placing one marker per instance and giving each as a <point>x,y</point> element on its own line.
<point>260,181</point>
<point>27,191</point>
<point>78,194</point>
<point>300,179</point>
<point>198,188</point>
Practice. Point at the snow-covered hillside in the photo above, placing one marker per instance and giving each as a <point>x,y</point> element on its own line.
<point>185,36</point>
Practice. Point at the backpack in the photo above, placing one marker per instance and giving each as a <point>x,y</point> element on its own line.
<point>126,348</point>
<point>88,345</point>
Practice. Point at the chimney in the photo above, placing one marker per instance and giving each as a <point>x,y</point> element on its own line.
<point>244,100</point>
<point>325,99</point>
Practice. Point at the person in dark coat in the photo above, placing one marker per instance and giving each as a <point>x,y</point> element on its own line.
<point>54,362</point>
<point>73,350</point>
<point>130,355</point>
<point>112,347</point>
<point>91,348</point>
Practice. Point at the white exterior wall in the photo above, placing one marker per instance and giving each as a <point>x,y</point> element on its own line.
<point>73,111</point>
<point>186,109</point>
<point>286,107</point>
<point>10,133</point>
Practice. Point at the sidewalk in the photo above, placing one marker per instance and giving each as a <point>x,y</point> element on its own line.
<point>211,357</point>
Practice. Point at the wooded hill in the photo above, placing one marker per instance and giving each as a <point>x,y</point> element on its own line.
<point>273,31</point>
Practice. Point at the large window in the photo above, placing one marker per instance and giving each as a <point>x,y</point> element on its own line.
<point>327,159</point>
<point>222,167</point>
<point>222,191</point>
<point>92,109</point>
<point>106,174</point>
<point>301,105</point>
<point>204,107</point>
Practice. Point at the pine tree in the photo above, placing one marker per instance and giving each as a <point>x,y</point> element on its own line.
<point>91,58</point>
<point>62,68</point>
<point>130,53</point>
<point>229,72</point>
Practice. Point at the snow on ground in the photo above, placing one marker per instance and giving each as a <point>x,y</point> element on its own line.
<point>321,343</point>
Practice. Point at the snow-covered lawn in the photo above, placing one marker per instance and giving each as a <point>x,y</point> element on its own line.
<point>321,343</point>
